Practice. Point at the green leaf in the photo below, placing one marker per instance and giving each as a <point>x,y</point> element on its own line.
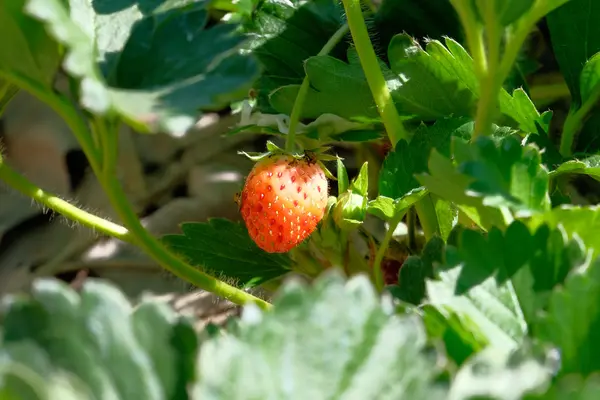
<point>575,38</point>
<point>224,249</point>
<point>95,337</point>
<point>331,340</point>
<point>342,176</point>
<point>27,51</point>
<point>527,264</point>
<point>158,67</point>
<point>427,84</point>
<point>360,184</point>
<point>448,71</point>
<point>433,19</point>
<point>590,80</point>
<point>473,294</point>
<point>575,220</point>
<point>415,271</point>
<point>389,209</point>
<point>397,175</point>
<point>336,87</point>
<point>497,374</point>
<point>573,320</point>
<point>574,387</point>
<point>460,338</point>
<point>490,176</point>
<point>284,35</point>
<point>588,166</point>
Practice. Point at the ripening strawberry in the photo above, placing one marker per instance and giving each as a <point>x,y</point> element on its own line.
<point>283,200</point>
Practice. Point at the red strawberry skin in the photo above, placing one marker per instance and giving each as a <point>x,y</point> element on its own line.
<point>282,202</point>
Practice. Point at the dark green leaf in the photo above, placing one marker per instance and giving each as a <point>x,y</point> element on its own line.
<point>415,271</point>
<point>157,66</point>
<point>284,35</point>
<point>337,88</point>
<point>331,340</point>
<point>223,248</point>
<point>575,38</point>
<point>433,19</point>
<point>397,175</point>
<point>430,81</point>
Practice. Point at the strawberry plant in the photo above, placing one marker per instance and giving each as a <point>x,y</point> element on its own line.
<point>423,213</point>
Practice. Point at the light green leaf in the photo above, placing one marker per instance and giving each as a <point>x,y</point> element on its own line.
<point>590,80</point>
<point>586,166</point>
<point>155,66</point>
<point>93,337</point>
<point>27,51</point>
<point>224,249</point>
<point>360,184</point>
<point>332,340</point>
<point>497,374</point>
<point>528,263</point>
<point>575,220</point>
<point>388,209</point>
<point>492,308</point>
<point>342,177</point>
<point>490,175</point>
<point>573,319</point>
<point>7,92</point>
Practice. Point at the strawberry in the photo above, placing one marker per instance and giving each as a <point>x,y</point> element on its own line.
<point>283,200</point>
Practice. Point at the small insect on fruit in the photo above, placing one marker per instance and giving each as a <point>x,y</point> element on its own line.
<point>283,200</point>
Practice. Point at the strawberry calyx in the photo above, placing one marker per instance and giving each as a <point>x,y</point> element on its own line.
<point>317,155</point>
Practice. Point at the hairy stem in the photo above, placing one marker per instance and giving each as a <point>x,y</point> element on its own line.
<point>26,187</point>
<point>136,232</point>
<point>377,84</point>
<point>303,91</point>
<point>379,282</point>
<point>149,243</point>
<point>573,124</point>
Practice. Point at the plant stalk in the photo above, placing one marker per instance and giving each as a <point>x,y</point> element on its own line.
<point>370,65</point>
<point>428,217</point>
<point>303,91</point>
<point>385,243</point>
<point>26,187</point>
<point>149,243</point>
<point>105,173</point>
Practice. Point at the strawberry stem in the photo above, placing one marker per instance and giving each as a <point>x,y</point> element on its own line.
<point>370,65</point>
<point>379,282</point>
<point>303,91</point>
<point>102,159</point>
